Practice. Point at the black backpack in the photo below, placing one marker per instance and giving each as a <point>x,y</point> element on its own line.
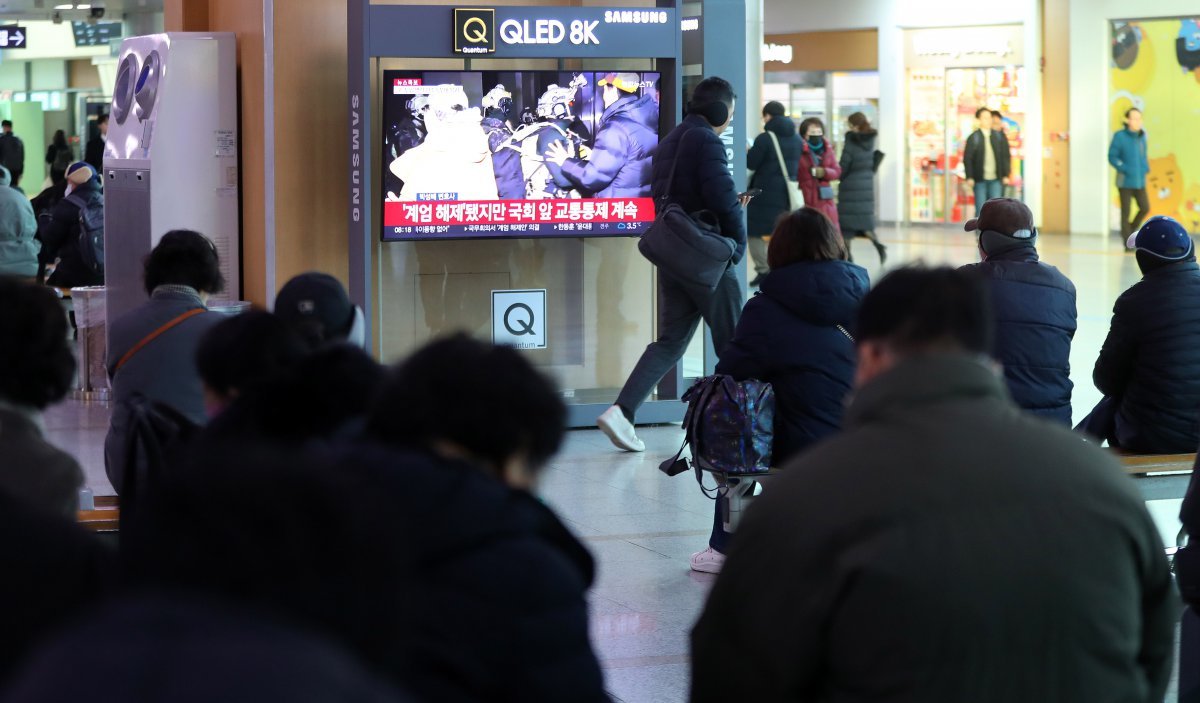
<point>91,232</point>
<point>155,432</point>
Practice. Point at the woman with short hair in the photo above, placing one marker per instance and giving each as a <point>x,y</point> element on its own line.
<point>152,348</point>
<point>796,334</point>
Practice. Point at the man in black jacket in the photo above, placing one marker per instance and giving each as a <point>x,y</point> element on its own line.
<point>12,153</point>
<point>944,547</point>
<point>1035,310</point>
<point>95,147</point>
<point>1149,366</point>
<point>987,160</point>
<point>692,160</point>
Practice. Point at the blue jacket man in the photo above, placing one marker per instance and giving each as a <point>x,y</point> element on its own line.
<point>1034,307</point>
<point>1128,154</point>
<point>690,170</point>
<point>626,139</point>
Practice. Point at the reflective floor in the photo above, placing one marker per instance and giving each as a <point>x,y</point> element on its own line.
<point>642,526</point>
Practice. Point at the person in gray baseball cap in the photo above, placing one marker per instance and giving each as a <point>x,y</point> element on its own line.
<point>1034,309</point>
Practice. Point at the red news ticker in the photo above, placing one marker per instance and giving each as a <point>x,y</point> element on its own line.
<point>517,212</point>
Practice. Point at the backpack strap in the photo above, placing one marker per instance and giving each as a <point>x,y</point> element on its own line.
<point>179,319</point>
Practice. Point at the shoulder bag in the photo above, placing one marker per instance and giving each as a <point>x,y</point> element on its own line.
<point>795,197</point>
<point>688,247</point>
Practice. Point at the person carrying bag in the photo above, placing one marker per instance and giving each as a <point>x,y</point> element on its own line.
<point>696,253</point>
<point>774,159</point>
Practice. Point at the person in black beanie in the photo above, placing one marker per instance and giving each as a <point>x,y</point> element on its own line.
<point>1149,366</point>
<point>1034,308</point>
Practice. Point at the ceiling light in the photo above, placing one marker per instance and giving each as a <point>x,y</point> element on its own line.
<point>68,6</point>
<point>83,7</point>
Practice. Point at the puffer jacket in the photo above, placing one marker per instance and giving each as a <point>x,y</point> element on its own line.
<point>506,162</point>
<point>856,192</point>
<point>788,337</point>
<point>767,206</point>
<point>1150,362</point>
<point>811,186</point>
<point>1128,154</point>
<point>702,180</point>
<point>1034,307</point>
<point>620,162</point>
<point>60,240</point>
<point>18,248</point>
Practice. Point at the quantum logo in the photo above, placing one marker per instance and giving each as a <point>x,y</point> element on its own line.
<point>474,31</point>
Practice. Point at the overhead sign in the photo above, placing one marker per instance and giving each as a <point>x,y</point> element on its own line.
<point>474,31</point>
<point>13,37</point>
<point>98,34</point>
<point>519,318</point>
<point>966,47</point>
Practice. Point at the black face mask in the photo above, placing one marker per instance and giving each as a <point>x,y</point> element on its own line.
<point>816,141</point>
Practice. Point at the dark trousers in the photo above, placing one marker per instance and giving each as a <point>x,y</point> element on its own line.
<point>719,539</point>
<point>1101,422</point>
<point>1143,203</point>
<point>680,309</point>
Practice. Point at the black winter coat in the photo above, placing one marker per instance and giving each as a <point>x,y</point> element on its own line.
<point>60,240</point>
<point>506,162</point>
<point>766,207</point>
<point>1150,362</point>
<point>856,192</point>
<point>973,155</point>
<point>1034,305</point>
<point>788,337</point>
<point>702,180</point>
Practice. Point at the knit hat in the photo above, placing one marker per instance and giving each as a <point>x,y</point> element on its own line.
<point>1163,237</point>
<point>80,172</point>
<point>316,300</point>
<point>1003,224</point>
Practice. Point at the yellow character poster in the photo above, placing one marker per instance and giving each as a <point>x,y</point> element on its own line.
<point>1155,67</point>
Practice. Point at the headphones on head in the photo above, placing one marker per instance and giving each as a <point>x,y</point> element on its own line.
<point>716,112</point>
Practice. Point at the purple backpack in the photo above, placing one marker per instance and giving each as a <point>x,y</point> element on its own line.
<point>730,426</point>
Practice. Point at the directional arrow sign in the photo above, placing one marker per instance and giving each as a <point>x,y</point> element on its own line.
<point>12,37</point>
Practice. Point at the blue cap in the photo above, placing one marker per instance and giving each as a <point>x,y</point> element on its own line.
<point>1163,237</point>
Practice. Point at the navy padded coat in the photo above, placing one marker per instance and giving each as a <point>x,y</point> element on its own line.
<point>702,179</point>
<point>788,337</point>
<point>1034,305</point>
<point>1150,362</point>
<point>766,207</point>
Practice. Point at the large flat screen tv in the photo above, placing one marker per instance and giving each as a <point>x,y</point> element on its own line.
<point>485,154</point>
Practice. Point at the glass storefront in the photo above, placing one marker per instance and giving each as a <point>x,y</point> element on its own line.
<point>951,73</point>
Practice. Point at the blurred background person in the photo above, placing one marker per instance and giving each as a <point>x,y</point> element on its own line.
<point>987,162</point>
<point>18,228</point>
<point>1128,154</point>
<point>818,169</point>
<point>765,209</point>
<point>59,156</point>
<point>12,153</point>
<point>856,192</point>
<point>61,232</point>
<point>94,152</point>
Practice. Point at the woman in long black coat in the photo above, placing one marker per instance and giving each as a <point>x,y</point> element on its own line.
<point>764,210</point>
<point>856,194</point>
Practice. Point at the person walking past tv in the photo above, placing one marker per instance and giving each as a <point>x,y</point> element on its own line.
<point>698,174</point>
<point>1035,310</point>
<point>1149,366</point>
<point>987,160</point>
<point>1128,155</point>
<point>763,159</point>
<point>818,168</point>
<point>942,543</point>
<point>856,192</point>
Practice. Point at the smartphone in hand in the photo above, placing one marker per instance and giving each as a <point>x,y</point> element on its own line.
<point>752,193</point>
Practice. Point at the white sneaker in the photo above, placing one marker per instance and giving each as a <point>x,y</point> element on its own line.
<point>620,431</point>
<point>709,561</point>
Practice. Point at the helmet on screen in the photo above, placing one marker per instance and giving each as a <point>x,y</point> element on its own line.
<point>418,105</point>
<point>556,102</point>
<point>498,99</point>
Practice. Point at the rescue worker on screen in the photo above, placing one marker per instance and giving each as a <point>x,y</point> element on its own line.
<point>506,162</point>
<point>454,162</point>
<point>626,139</point>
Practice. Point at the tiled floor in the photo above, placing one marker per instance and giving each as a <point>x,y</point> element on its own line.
<point>642,526</point>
